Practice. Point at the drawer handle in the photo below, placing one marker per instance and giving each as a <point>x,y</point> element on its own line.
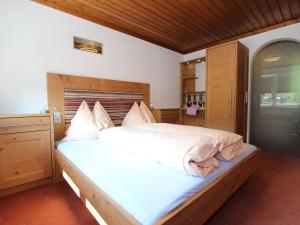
<point>24,124</point>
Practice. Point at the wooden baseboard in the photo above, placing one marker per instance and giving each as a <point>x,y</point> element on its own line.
<point>23,187</point>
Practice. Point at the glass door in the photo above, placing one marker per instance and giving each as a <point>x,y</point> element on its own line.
<point>275,104</point>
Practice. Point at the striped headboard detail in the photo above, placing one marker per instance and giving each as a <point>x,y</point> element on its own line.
<point>117,104</point>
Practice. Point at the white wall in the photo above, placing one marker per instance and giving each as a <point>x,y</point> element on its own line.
<point>255,43</point>
<point>35,39</point>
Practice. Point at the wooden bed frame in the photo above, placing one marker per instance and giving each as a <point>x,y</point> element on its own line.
<point>194,211</point>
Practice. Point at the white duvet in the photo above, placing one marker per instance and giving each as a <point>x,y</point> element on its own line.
<point>231,144</point>
<point>188,153</point>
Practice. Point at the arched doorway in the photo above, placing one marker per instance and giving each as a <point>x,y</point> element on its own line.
<point>275,104</point>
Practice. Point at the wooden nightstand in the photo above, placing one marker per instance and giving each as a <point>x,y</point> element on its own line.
<point>26,151</point>
<point>166,115</point>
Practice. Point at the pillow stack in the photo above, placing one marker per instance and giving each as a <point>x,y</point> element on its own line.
<point>86,124</point>
<point>138,115</point>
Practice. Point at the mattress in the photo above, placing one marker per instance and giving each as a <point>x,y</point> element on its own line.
<point>144,188</point>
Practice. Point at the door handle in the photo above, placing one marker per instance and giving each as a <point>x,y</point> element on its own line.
<point>230,98</point>
<point>246,96</point>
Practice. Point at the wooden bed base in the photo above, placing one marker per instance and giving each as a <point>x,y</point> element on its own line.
<point>194,211</point>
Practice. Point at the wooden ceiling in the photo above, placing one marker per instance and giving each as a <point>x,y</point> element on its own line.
<point>184,25</point>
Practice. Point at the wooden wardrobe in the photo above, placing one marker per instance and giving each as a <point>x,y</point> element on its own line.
<point>227,87</point>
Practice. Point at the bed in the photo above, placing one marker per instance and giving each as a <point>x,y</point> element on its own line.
<point>193,205</point>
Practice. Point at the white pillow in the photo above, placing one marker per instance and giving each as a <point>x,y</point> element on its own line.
<point>82,125</point>
<point>101,118</point>
<point>134,117</point>
<point>147,113</point>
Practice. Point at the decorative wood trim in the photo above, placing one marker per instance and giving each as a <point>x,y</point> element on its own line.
<point>56,84</point>
<point>23,115</point>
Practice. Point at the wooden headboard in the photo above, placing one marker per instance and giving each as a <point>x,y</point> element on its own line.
<point>61,87</point>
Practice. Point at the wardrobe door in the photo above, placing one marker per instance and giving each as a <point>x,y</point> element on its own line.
<point>220,87</point>
<point>242,91</point>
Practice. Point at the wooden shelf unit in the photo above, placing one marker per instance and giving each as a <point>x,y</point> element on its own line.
<point>190,77</point>
<point>187,87</point>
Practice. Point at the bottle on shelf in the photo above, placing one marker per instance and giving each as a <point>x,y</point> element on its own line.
<point>200,103</point>
<point>189,101</point>
<point>194,100</point>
